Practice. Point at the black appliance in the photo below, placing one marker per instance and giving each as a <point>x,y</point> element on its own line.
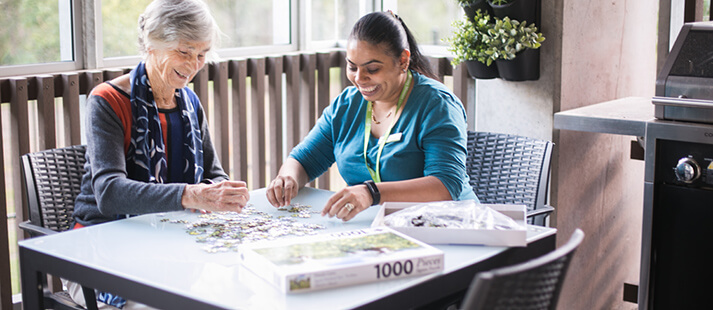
<point>677,240</point>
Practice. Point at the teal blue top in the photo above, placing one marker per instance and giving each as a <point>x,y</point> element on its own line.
<point>432,142</point>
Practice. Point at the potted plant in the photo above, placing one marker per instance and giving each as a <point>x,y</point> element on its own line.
<point>515,46</point>
<point>522,10</point>
<point>470,43</point>
<point>472,6</point>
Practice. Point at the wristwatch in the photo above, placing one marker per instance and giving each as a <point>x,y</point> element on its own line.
<point>374,191</point>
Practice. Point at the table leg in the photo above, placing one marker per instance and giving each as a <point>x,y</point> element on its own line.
<point>32,284</point>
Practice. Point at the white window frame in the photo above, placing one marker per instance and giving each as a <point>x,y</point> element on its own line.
<point>86,30</point>
<point>67,32</point>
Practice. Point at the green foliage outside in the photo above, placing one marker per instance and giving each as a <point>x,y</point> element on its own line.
<point>246,23</point>
<point>29,32</point>
<point>243,23</point>
<point>120,26</point>
<point>429,21</point>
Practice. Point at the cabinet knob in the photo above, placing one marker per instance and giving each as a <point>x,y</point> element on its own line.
<point>687,170</point>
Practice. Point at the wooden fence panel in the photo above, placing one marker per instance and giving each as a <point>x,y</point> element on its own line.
<point>221,107</point>
<point>92,79</point>
<point>461,81</point>
<point>5,279</point>
<point>112,74</point>
<point>292,101</point>
<point>323,98</point>
<point>19,144</point>
<point>256,70</point>
<point>70,103</point>
<point>341,63</point>
<point>239,74</point>
<point>308,93</point>
<point>46,120</point>
<point>275,67</point>
<point>200,86</point>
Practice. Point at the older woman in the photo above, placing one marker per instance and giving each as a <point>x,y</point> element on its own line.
<point>396,135</point>
<point>148,146</point>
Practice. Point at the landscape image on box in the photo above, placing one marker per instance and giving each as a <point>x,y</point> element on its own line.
<point>363,246</point>
<point>300,283</point>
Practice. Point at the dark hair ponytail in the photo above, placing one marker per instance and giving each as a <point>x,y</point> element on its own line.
<point>388,28</point>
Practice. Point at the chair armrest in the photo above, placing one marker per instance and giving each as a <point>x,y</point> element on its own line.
<point>541,210</point>
<point>35,230</point>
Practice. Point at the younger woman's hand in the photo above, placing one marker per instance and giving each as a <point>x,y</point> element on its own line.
<point>281,191</point>
<point>348,202</point>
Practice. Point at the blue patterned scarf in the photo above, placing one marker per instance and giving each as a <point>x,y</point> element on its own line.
<point>146,158</point>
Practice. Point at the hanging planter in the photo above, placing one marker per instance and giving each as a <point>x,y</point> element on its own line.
<point>479,70</point>
<point>506,48</point>
<point>522,10</point>
<point>472,6</point>
<point>515,48</point>
<point>524,67</point>
<point>469,44</point>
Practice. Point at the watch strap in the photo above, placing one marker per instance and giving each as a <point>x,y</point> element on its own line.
<point>374,191</point>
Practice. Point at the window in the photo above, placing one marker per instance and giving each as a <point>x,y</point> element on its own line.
<point>49,35</point>
<point>332,20</point>
<point>252,23</point>
<point>35,32</point>
<point>429,21</point>
<point>120,26</point>
<point>244,24</point>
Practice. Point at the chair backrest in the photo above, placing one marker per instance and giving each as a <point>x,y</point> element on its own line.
<point>509,169</point>
<point>532,285</point>
<point>52,180</point>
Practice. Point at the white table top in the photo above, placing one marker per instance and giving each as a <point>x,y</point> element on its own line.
<point>161,254</point>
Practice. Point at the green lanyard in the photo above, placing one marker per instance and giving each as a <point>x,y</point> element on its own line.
<point>382,141</point>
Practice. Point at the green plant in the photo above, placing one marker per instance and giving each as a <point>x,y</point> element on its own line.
<point>470,39</point>
<point>508,37</point>
<point>500,2</point>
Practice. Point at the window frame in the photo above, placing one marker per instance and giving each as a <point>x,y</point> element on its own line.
<point>87,49</point>
<point>74,14</point>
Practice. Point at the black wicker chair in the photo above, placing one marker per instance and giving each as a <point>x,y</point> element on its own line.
<point>51,180</point>
<point>510,169</point>
<point>532,285</point>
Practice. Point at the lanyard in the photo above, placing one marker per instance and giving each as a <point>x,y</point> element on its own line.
<point>382,141</point>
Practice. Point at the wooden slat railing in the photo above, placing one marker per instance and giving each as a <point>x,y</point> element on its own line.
<point>258,109</point>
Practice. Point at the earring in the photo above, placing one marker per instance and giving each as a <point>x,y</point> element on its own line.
<point>404,70</point>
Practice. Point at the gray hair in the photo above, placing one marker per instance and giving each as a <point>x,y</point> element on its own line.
<point>165,22</point>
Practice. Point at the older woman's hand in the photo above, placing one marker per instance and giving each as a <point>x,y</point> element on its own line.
<point>348,202</point>
<point>223,196</point>
<point>281,190</point>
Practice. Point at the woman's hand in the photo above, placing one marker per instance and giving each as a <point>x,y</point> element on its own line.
<point>348,202</point>
<point>281,191</point>
<point>223,196</point>
<point>286,184</point>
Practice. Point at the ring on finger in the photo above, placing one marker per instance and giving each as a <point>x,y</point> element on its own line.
<point>349,207</point>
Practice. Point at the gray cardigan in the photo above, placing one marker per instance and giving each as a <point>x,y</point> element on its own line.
<point>106,191</point>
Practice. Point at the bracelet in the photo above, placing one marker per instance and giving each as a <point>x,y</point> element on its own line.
<point>374,191</point>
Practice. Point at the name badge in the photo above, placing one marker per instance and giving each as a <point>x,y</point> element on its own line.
<point>392,138</point>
